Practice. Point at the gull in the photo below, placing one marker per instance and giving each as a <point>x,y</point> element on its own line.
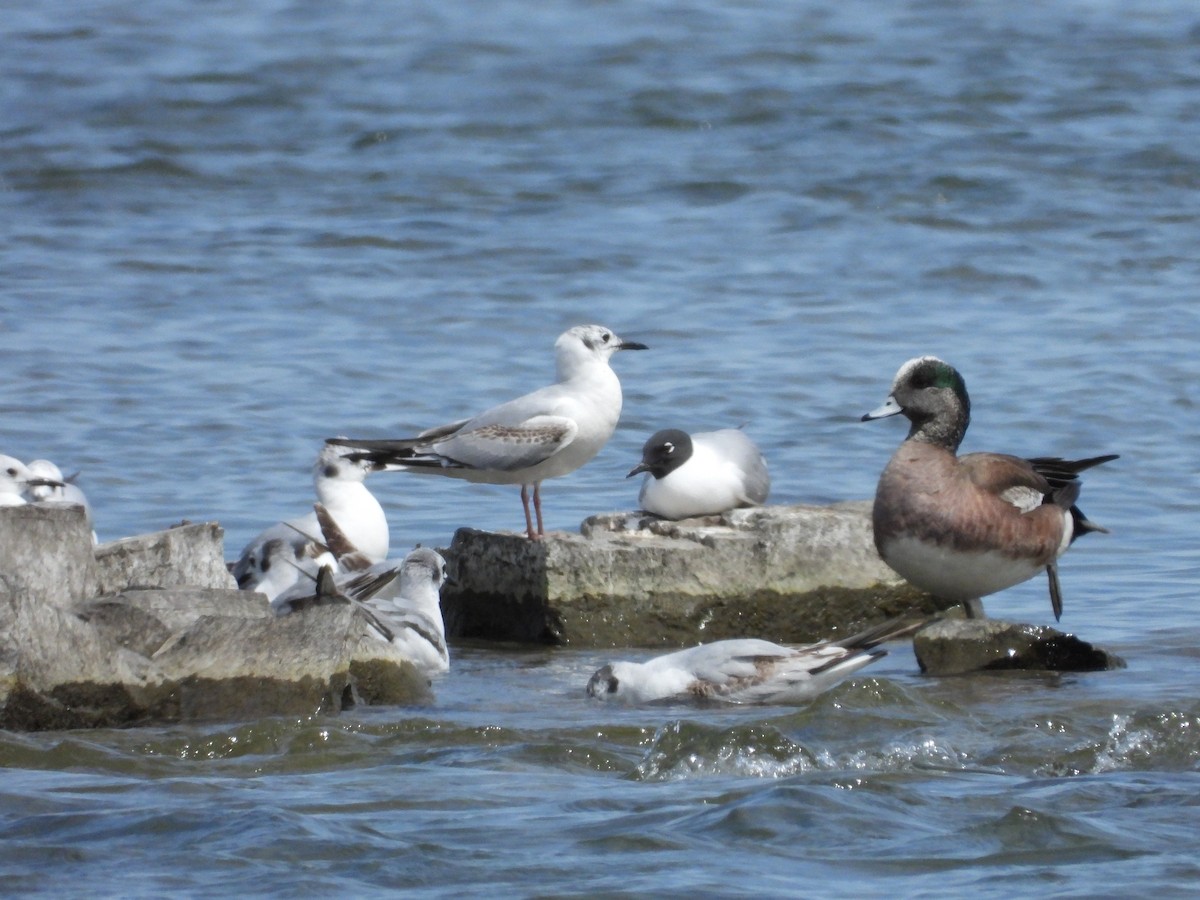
<point>701,474</point>
<point>545,434</point>
<point>744,670</point>
<point>51,487</point>
<point>402,603</point>
<point>963,527</point>
<point>16,480</point>
<point>338,480</point>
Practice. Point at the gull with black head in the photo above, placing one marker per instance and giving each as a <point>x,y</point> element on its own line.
<point>701,474</point>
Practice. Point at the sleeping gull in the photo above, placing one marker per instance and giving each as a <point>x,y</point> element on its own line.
<point>744,670</point>
<point>701,474</point>
<point>49,486</point>
<point>16,480</point>
<point>546,434</point>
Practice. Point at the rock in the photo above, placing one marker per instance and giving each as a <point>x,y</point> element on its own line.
<point>788,573</point>
<point>955,646</point>
<point>142,620</point>
<point>46,551</point>
<point>57,671</point>
<point>150,629</point>
<point>188,554</point>
<point>320,660</point>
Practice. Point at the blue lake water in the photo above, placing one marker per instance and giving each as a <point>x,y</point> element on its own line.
<point>230,232</point>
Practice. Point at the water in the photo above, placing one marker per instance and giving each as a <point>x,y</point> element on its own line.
<point>230,233</point>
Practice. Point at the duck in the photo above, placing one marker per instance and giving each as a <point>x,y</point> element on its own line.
<point>965,527</point>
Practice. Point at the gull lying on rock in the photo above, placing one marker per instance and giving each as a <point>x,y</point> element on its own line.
<point>402,603</point>
<point>16,480</point>
<point>701,474</point>
<point>49,486</point>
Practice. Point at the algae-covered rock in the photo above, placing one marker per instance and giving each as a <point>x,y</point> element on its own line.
<point>58,671</point>
<point>956,646</point>
<point>788,573</point>
<point>321,660</point>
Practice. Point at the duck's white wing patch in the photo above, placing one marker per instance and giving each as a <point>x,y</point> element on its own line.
<point>1023,497</point>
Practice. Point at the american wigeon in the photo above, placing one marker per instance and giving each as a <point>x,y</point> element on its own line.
<point>963,527</point>
<point>701,474</point>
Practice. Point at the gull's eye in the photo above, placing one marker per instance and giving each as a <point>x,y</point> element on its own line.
<point>668,448</point>
<point>612,685</point>
<point>606,337</point>
<point>12,473</point>
<point>330,471</point>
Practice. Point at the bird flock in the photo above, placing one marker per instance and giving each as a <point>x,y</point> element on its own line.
<point>958,527</point>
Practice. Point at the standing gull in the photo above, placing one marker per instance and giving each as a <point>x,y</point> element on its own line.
<point>744,670</point>
<point>546,434</point>
<point>963,527</point>
<point>701,474</point>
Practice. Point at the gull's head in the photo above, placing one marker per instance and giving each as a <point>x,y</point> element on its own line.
<point>16,477</point>
<point>584,343</point>
<point>13,475</point>
<point>424,567</point>
<point>665,452</point>
<point>45,480</point>
<point>604,684</point>
<point>334,463</point>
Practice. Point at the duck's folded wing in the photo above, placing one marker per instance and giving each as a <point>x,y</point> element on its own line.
<point>1010,478</point>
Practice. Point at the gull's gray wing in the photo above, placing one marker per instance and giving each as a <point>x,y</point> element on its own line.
<point>507,448</point>
<point>733,445</point>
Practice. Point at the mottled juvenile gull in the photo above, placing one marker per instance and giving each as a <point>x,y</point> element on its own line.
<point>744,670</point>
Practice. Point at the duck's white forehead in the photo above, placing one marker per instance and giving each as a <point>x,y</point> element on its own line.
<point>907,369</point>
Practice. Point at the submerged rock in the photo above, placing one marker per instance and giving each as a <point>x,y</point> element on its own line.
<point>956,646</point>
<point>788,573</point>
